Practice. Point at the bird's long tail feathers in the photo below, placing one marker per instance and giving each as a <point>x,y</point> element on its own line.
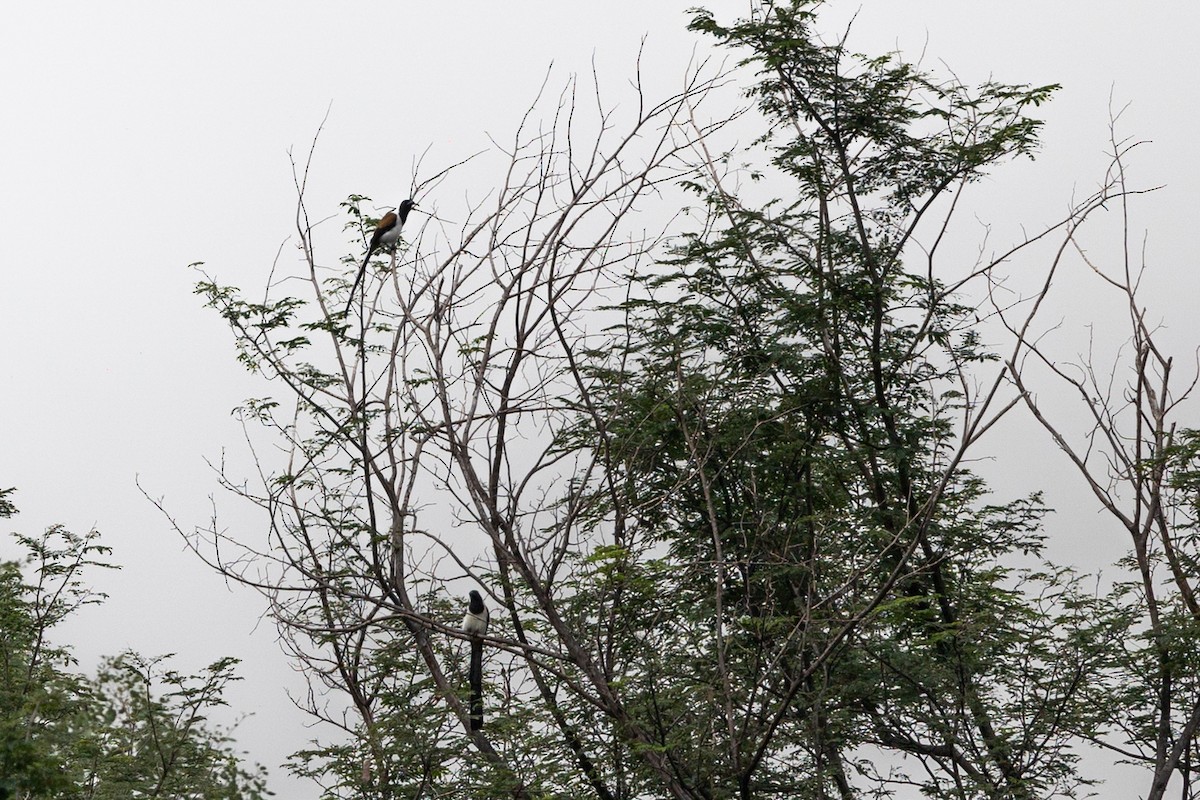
<point>476,676</point>
<point>358,280</point>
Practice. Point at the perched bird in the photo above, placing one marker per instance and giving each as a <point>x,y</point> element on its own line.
<point>475,624</point>
<point>386,234</point>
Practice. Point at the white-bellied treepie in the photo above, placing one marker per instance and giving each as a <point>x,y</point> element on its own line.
<point>386,234</point>
<point>475,625</point>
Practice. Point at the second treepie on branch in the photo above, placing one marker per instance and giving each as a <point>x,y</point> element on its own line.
<point>475,624</point>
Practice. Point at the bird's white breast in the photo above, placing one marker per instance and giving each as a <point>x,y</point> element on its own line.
<point>475,624</point>
<point>389,237</point>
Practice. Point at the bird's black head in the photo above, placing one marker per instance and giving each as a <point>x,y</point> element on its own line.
<point>476,604</point>
<point>405,207</point>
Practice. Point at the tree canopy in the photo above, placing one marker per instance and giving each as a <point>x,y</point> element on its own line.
<point>698,418</point>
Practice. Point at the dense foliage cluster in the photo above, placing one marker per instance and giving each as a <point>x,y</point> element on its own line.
<point>134,730</point>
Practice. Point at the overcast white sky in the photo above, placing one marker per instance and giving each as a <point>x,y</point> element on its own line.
<point>138,137</point>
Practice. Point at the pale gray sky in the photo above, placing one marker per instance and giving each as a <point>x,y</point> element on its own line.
<point>138,137</point>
